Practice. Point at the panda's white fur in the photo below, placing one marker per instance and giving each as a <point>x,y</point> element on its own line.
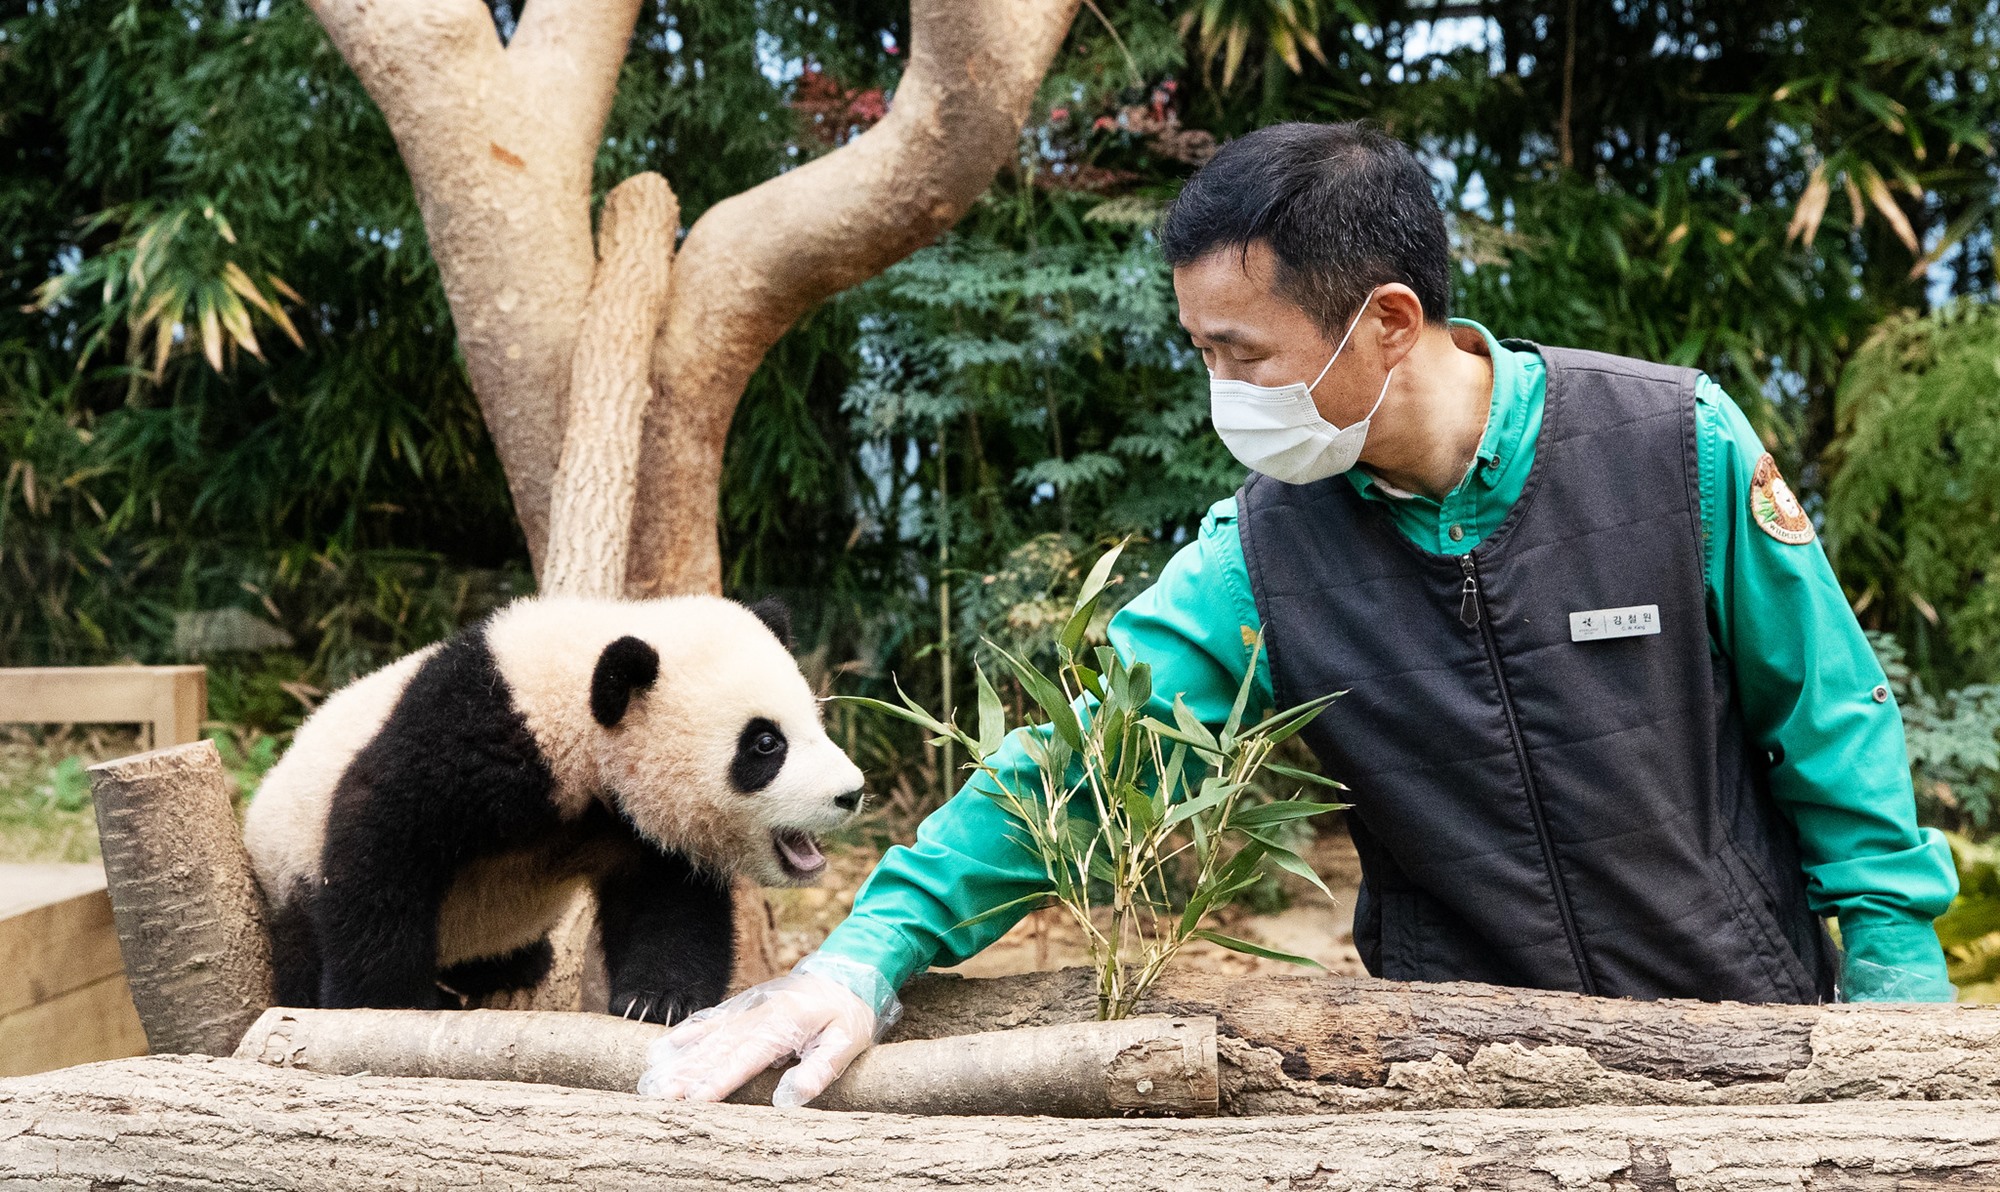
<point>664,766</point>
<point>284,828</point>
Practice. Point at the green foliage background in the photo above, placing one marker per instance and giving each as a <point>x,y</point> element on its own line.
<point>927,458</point>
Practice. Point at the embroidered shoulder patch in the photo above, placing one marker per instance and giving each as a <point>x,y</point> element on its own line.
<point>1777,512</point>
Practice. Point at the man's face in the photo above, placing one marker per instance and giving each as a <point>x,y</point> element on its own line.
<point>1246,332</point>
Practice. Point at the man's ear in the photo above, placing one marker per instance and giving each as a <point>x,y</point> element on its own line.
<point>627,665</point>
<point>776,617</point>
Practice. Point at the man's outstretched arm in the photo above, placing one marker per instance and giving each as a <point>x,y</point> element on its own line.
<point>1192,626</point>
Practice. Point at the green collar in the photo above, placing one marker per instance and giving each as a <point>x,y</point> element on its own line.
<point>1506,422</point>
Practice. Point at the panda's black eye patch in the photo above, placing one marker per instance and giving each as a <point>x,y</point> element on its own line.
<point>760,754</point>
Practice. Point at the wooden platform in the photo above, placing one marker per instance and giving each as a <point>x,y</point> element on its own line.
<point>63,999</point>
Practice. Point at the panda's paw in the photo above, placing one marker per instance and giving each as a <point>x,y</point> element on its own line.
<point>653,1007</point>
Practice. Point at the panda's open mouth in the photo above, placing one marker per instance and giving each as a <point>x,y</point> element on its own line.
<point>798,852</point>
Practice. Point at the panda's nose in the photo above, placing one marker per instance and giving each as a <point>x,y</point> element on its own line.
<point>848,801</point>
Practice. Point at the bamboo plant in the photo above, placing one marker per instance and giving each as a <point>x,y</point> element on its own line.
<point>1143,828</point>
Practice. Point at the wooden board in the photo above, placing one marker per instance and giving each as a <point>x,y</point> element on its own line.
<point>82,1026</point>
<point>171,699</point>
<point>63,998</point>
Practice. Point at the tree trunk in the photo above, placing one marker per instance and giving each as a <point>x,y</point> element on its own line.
<point>1294,1045</point>
<point>209,1124</point>
<point>189,914</point>
<point>1154,1066</point>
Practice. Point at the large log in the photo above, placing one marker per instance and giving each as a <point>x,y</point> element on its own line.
<point>212,1125</point>
<point>189,914</point>
<point>1293,1045</point>
<point>1159,1066</point>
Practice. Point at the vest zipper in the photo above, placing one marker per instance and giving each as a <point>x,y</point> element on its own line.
<point>1471,610</point>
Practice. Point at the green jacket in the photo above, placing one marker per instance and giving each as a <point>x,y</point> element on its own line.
<point>1812,693</point>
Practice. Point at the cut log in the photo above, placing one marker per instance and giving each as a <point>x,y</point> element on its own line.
<point>225,1125</point>
<point>1331,1045</point>
<point>189,914</point>
<point>1158,1066</point>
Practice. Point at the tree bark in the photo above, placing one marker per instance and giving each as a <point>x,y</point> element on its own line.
<point>1155,1066</point>
<point>1307,1045</point>
<point>209,1124</point>
<point>590,520</point>
<point>189,914</point>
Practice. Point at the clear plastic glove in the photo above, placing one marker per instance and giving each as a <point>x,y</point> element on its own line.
<point>812,1013</point>
<point>1865,981</point>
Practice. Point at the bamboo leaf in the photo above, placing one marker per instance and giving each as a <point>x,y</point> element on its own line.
<point>1279,813</point>
<point>1249,949</point>
<point>1053,703</point>
<point>1191,725</point>
<point>211,330</point>
<point>1235,720</point>
<point>1086,601</point>
<point>1812,207</point>
<point>1291,862</point>
<point>1040,896</point>
<point>1213,793</point>
<point>1885,202</point>
<point>992,715</point>
<point>1298,775</point>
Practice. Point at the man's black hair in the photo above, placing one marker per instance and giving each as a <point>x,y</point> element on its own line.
<point>1344,207</point>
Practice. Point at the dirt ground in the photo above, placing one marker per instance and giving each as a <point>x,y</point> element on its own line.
<point>1309,926</point>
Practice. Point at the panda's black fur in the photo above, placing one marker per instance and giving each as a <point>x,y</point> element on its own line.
<point>452,777</point>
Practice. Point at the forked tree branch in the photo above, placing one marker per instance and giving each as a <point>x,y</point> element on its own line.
<point>754,263</point>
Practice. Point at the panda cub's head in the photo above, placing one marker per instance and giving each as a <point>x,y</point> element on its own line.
<point>710,740</point>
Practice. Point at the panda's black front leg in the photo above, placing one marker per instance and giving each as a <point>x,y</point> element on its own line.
<point>669,937</point>
<point>376,921</point>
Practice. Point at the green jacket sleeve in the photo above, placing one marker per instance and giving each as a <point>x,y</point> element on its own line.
<point>1814,697</point>
<point>1192,627</point>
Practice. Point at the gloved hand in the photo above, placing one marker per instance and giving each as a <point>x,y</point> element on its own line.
<point>1891,961</point>
<point>807,1013</point>
<point>1865,981</point>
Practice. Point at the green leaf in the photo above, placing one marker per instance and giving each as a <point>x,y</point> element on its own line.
<point>1138,809</point>
<point>1045,693</point>
<point>1298,775</point>
<point>1139,686</point>
<point>1089,679</point>
<point>1003,908</point>
<point>1170,775</point>
<point>1291,862</point>
<point>918,716</point>
<point>1086,601</point>
<point>992,715</point>
<point>1283,811</point>
<point>1281,726</point>
<point>1249,949</point>
<point>1174,734</point>
<point>1214,792</point>
<point>1235,720</point>
<point>1191,724</point>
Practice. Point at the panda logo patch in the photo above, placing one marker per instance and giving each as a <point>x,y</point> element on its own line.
<point>1777,512</point>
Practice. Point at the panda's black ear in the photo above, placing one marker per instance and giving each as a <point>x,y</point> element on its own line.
<point>627,665</point>
<point>776,617</point>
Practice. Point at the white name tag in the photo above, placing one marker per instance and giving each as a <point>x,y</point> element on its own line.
<point>1638,620</point>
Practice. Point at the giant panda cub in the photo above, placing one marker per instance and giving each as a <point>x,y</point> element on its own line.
<point>432,820</point>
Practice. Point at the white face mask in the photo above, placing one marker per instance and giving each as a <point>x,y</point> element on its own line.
<point>1278,430</point>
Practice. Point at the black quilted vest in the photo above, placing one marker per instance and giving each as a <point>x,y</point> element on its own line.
<point>1530,810</point>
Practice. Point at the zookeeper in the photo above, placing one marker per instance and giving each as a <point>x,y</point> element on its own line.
<point>1610,725</point>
